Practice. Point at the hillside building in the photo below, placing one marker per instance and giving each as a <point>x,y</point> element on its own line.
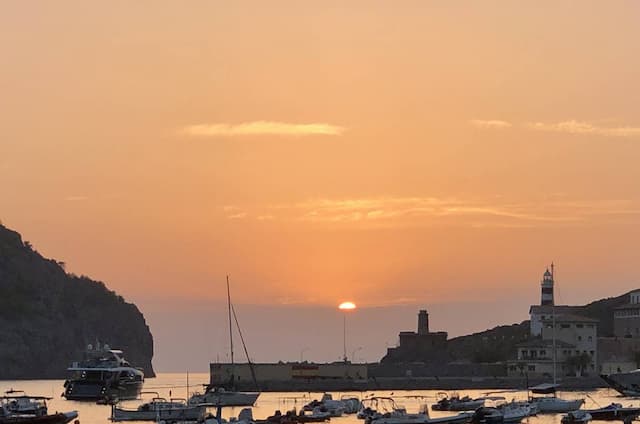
<point>626,318</point>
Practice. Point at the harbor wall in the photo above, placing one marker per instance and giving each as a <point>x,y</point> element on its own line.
<point>421,383</point>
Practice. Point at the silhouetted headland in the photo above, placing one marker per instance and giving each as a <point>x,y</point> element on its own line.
<point>48,316</point>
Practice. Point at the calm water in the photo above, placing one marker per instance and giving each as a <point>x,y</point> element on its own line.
<point>268,402</point>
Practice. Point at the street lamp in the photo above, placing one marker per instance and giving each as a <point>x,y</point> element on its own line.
<point>353,353</point>
<point>345,307</point>
<point>302,353</point>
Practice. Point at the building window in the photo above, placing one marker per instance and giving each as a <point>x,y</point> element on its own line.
<point>532,368</point>
<point>565,325</point>
<point>579,325</point>
<point>579,338</point>
<point>543,353</point>
<point>590,338</point>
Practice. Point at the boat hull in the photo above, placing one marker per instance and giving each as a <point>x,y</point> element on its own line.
<point>226,398</point>
<point>193,413</point>
<point>556,405</point>
<point>83,390</point>
<point>626,383</point>
<point>61,418</point>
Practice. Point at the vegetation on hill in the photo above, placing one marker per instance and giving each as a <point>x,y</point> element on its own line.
<point>48,317</point>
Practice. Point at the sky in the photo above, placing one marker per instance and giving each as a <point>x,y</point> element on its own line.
<point>402,155</point>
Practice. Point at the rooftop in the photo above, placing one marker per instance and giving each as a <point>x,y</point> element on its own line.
<point>544,343</point>
<point>571,318</point>
<point>559,309</point>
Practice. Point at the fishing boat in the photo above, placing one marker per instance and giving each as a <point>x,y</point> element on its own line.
<point>455,402</point>
<point>159,409</point>
<point>220,395</point>
<point>103,374</point>
<point>614,412</point>
<point>576,417</point>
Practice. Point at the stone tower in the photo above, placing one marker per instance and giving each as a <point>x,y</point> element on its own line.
<point>423,322</point>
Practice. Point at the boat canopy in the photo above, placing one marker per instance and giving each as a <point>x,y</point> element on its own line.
<point>544,388</point>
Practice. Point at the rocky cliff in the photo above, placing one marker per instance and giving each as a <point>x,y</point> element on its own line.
<point>47,316</point>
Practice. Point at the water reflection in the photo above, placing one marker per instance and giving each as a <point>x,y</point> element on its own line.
<point>174,385</point>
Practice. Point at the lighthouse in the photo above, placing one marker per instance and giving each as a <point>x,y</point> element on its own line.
<point>546,298</point>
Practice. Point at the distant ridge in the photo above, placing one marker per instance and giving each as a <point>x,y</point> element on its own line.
<point>47,316</point>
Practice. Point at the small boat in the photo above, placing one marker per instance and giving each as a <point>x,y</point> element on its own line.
<point>18,402</point>
<point>456,403</point>
<point>160,409</point>
<point>58,418</point>
<point>327,405</point>
<point>495,415</point>
<point>552,403</point>
<point>219,396</point>
<point>576,417</point>
<point>614,412</point>
<point>399,415</point>
<point>23,409</point>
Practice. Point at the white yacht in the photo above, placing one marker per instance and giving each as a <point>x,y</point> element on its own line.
<point>103,374</point>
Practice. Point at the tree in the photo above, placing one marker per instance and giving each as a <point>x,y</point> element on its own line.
<point>577,364</point>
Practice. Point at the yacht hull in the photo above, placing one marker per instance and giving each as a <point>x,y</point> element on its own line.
<point>83,390</point>
<point>625,383</point>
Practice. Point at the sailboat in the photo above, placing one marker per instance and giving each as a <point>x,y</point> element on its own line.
<point>552,403</point>
<point>220,395</point>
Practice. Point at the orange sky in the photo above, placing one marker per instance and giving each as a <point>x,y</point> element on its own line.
<point>417,153</point>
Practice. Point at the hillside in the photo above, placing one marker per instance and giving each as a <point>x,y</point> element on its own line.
<point>47,316</point>
<point>499,343</point>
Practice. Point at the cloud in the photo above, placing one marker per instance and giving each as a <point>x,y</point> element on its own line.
<point>492,124</point>
<point>582,127</point>
<point>259,128</point>
<point>406,212</point>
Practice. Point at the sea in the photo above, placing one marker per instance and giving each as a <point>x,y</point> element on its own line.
<point>175,385</point>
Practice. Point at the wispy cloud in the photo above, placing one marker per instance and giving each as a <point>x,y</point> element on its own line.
<point>495,212</point>
<point>582,127</point>
<point>491,123</point>
<point>260,128</point>
<point>570,127</point>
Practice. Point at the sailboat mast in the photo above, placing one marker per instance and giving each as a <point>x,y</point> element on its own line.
<point>553,322</point>
<point>230,328</point>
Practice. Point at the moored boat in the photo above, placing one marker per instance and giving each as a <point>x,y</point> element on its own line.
<point>160,409</point>
<point>18,408</point>
<point>103,374</point>
<point>614,412</point>
<point>576,417</point>
<point>551,403</point>
<point>455,402</point>
<point>625,383</point>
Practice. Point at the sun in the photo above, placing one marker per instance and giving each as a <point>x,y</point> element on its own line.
<point>347,305</point>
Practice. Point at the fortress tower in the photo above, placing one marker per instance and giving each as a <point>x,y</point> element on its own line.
<point>423,322</point>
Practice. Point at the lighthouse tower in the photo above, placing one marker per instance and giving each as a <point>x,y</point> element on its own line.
<point>546,299</point>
